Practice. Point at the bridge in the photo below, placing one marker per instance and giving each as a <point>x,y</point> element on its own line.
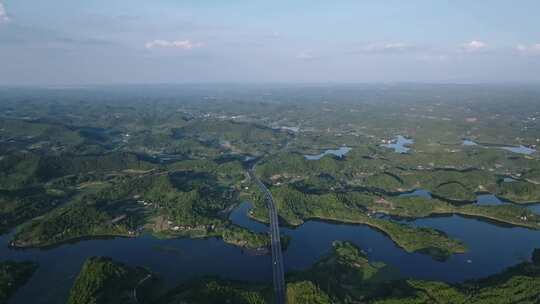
<point>280,290</point>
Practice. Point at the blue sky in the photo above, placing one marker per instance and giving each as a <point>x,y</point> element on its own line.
<point>66,42</point>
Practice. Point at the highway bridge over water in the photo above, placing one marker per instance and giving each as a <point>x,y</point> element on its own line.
<point>277,257</point>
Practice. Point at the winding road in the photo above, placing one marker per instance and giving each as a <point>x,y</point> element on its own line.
<point>277,257</point>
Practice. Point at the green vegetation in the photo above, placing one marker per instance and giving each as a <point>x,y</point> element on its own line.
<point>67,224</point>
<point>17,206</point>
<point>306,293</point>
<point>295,207</point>
<point>370,183</point>
<point>90,162</point>
<point>245,238</point>
<point>519,191</point>
<point>346,274</point>
<point>17,170</point>
<point>12,276</point>
<point>103,281</point>
<point>58,166</point>
<point>183,203</point>
<point>215,291</point>
<point>171,204</point>
<point>416,207</point>
<point>348,277</point>
<point>228,134</point>
<point>363,168</point>
<point>519,284</point>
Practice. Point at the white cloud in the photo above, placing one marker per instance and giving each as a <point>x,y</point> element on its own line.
<point>177,44</point>
<point>392,47</point>
<point>305,55</point>
<point>474,46</point>
<point>3,14</point>
<point>434,58</point>
<point>533,49</point>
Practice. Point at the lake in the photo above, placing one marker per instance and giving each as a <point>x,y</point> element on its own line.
<point>176,260</point>
<point>340,152</point>
<point>418,192</point>
<point>521,149</point>
<point>485,199</point>
<point>467,142</point>
<point>490,199</point>
<point>400,144</point>
<point>313,239</point>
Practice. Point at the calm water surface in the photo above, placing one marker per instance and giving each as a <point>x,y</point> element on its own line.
<point>340,152</point>
<point>401,144</point>
<point>481,199</point>
<point>490,199</point>
<point>174,260</point>
<point>180,259</point>
<point>418,192</point>
<point>467,142</point>
<point>313,240</point>
<point>519,149</point>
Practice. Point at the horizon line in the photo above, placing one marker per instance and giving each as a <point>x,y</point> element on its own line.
<point>265,83</point>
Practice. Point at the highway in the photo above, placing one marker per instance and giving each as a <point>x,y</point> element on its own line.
<point>277,257</point>
<point>137,286</point>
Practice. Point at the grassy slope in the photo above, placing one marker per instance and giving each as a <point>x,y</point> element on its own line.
<point>103,281</point>
<point>12,276</point>
<point>296,207</point>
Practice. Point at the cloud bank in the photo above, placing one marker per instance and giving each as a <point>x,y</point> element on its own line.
<point>474,46</point>
<point>529,49</point>
<point>3,14</point>
<point>391,47</point>
<point>176,44</point>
